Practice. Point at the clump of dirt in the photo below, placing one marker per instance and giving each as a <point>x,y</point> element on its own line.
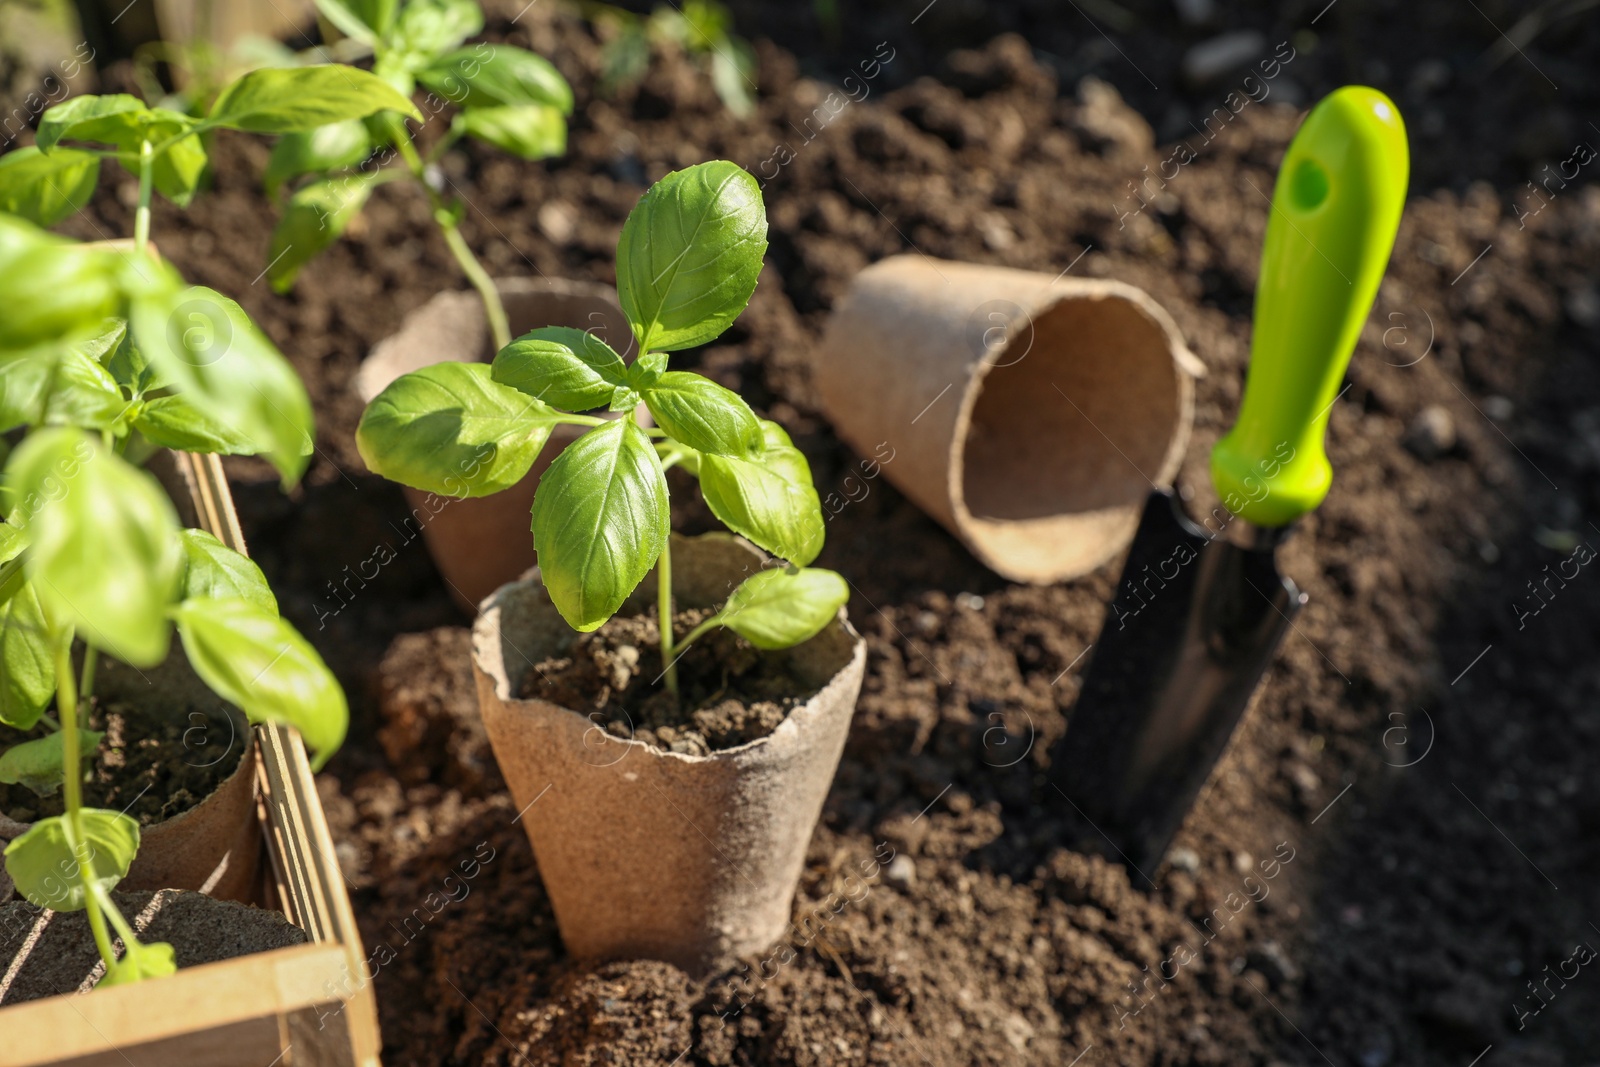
<point>152,763</point>
<point>431,729</point>
<point>729,692</point>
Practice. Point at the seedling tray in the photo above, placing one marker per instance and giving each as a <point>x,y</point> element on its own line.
<point>310,1004</point>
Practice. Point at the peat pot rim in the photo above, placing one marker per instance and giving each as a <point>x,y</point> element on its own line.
<point>1162,349</point>
<point>491,661</point>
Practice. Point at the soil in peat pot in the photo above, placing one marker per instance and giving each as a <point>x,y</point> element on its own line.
<point>1401,836</point>
<point>152,763</point>
<point>730,693</point>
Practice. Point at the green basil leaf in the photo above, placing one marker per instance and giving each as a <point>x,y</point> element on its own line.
<point>600,520</point>
<point>487,75</point>
<point>689,255</point>
<point>285,99</point>
<point>66,386</point>
<point>732,67</point>
<point>253,659</point>
<point>564,367</point>
<point>624,60</point>
<point>103,346</point>
<point>364,20</point>
<point>104,551</point>
<point>426,29</point>
<point>128,367</point>
<point>45,189</point>
<point>107,119</point>
<point>332,147</point>
<point>450,429</point>
<point>314,219</point>
<point>527,131</point>
<point>212,569</point>
<point>176,173</point>
<point>125,122</point>
<point>140,961</point>
<point>703,415</point>
<point>38,764</point>
<point>173,422</point>
<point>56,292</point>
<point>768,498</point>
<point>624,399</point>
<point>775,608</point>
<point>645,371</point>
<point>207,348</point>
<point>44,861</point>
<point>27,662</point>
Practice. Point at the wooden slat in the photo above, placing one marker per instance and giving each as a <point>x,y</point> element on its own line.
<point>236,1012</point>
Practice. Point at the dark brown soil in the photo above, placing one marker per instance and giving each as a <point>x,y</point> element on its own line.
<point>729,692</point>
<point>63,958</point>
<point>1422,747</point>
<point>152,763</point>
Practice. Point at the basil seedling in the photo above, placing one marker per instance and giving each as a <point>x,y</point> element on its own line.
<point>687,264</point>
<point>106,355</point>
<point>504,96</point>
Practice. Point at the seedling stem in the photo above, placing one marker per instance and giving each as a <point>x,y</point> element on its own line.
<point>664,613</point>
<point>72,788</point>
<point>499,326</point>
<point>141,218</point>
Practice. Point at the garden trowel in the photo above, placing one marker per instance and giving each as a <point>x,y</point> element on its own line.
<point>1201,607</point>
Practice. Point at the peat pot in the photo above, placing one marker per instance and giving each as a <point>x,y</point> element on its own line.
<point>653,854</point>
<point>1029,415</point>
<point>480,543</point>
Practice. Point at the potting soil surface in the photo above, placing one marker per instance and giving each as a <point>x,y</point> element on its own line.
<point>729,693</point>
<point>152,762</point>
<point>1395,861</point>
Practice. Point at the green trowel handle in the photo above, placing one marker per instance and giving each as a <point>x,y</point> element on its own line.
<point>1335,210</point>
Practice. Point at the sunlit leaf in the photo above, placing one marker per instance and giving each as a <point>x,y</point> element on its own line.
<point>44,861</point>
<point>690,254</point>
<point>255,660</point>
<point>450,429</point>
<point>600,520</point>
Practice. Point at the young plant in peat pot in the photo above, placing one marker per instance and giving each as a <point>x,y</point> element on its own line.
<point>109,364</point>
<point>669,784</point>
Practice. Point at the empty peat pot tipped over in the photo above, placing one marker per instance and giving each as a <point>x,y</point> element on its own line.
<point>654,854</point>
<point>1029,415</point>
<point>480,543</point>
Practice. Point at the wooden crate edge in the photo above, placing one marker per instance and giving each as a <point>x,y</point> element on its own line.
<point>114,1023</point>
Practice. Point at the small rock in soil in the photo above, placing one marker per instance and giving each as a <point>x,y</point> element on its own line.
<point>1185,859</point>
<point>1432,433</point>
<point>1107,122</point>
<point>1272,961</point>
<point>1220,55</point>
<point>901,872</point>
<point>1498,408</point>
<point>1583,305</point>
